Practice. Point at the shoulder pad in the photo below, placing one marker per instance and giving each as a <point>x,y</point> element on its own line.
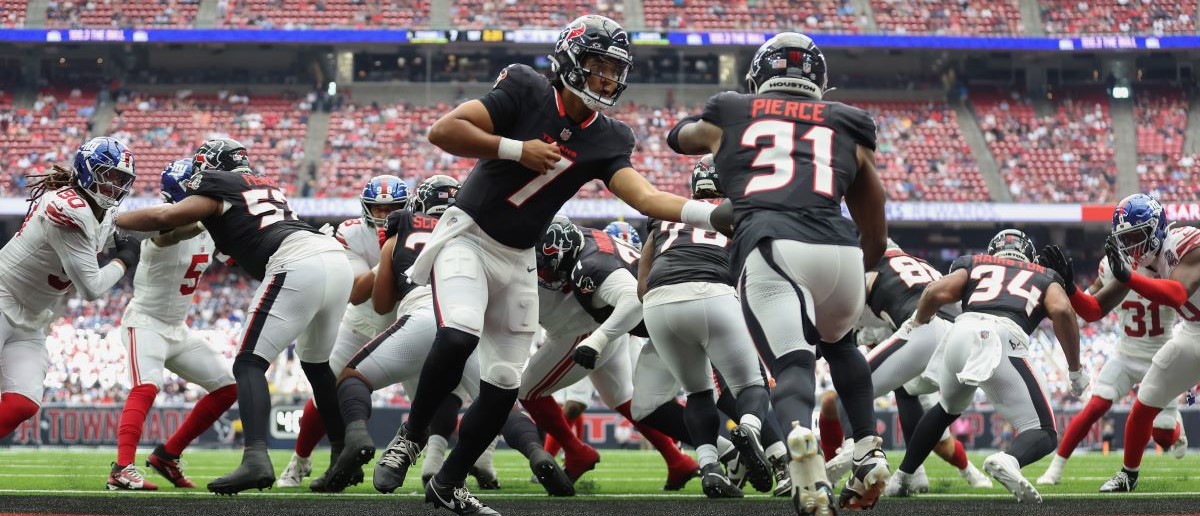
<point>520,76</point>
<point>962,262</point>
<point>66,209</point>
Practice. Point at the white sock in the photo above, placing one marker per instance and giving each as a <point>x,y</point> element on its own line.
<point>777,451</point>
<point>706,454</point>
<point>723,446</point>
<point>752,423</point>
<point>435,453</point>
<point>1058,461</point>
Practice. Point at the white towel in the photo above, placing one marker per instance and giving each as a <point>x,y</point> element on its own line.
<point>454,222</point>
<point>986,350</point>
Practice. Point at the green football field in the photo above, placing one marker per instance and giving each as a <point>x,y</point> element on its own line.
<point>621,473</point>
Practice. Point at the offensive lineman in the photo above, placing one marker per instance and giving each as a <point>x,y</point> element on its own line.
<point>155,333</point>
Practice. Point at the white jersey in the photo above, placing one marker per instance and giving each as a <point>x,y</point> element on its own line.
<point>562,316</point>
<point>164,283</point>
<point>1145,325</point>
<point>362,243</point>
<point>53,252</point>
<point>1179,242</point>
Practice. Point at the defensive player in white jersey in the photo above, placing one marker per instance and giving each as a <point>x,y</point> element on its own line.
<point>155,333</point>
<point>1141,238</point>
<point>362,237</point>
<point>1145,327</point>
<point>69,221</point>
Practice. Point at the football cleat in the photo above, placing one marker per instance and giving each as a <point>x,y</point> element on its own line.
<point>1120,483</point>
<point>735,471</point>
<point>715,484</point>
<point>975,478</point>
<point>680,473</point>
<point>169,467</point>
<point>547,472</point>
<point>581,461</point>
<point>255,472</point>
<point>1179,449</point>
<point>484,471</point>
<point>900,485</point>
<point>128,478</point>
<point>783,481</point>
<point>868,477</point>
<point>811,492</point>
<point>1006,470</point>
<point>297,468</point>
<point>837,467</point>
<point>920,480</point>
<point>1053,474</point>
<point>456,498</point>
<point>758,471</point>
<point>357,451</point>
<point>400,455</point>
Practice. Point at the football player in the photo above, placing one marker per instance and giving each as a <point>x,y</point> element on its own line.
<point>787,160</point>
<point>1004,296</point>
<point>1146,326</point>
<point>904,363</point>
<point>68,222</point>
<point>538,142</point>
<point>587,288</point>
<point>362,238</point>
<point>624,232</point>
<point>155,333</point>
<point>305,277</point>
<point>1141,239</point>
<point>692,313</point>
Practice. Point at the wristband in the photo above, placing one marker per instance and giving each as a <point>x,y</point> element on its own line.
<point>697,214</point>
<point>510,149</point>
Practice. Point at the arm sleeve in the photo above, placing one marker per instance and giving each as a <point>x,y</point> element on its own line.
<point>1162,291</point>
<point>619,291</point>
<point>79,262</point>
<point>1087,306</point>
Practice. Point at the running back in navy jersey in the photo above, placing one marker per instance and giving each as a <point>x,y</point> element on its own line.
<point>514,204</point>
<point>899,282</point>
<point>254,220</point>
<point>683,254</point>
<point>601,256</point>
<point>412,234</point>
<point>1006,288</point>
<point>786,162</point>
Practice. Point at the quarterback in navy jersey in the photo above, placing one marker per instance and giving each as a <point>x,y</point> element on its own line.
<point>788,158</point>
<point>305,277</point>
<point>538,141</point>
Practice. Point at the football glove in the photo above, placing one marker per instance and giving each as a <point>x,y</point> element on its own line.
<point>128,250</point>
<point>588,351</point>
<point>1079,381</point>
<point>1118,263</point>
<point>1053,257</point>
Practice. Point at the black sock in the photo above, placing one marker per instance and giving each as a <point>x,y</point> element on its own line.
<point>852,379</point>
<point>771,433</point>
<point>354,398</point>
<point>445,420</point>
<point>911,411</point>
<point>726,403</point>
<point>1031,445</point>
<point>795,392</point>
<point>480,425</point>
<point>700,415</point>
<point>521,434</point>
<point>754,400</point>
<point>927,434</point>
<point>668,418</point>
<point>441,373</point>
<point>254,397</point>
<point>1132,473</point>
<point>324,388</point>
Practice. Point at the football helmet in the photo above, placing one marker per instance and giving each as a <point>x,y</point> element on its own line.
<point>174,176</point>
<point>789,62</point>
<point>385,190</point>
<point>558,252</point>
<point>434,195</point>
<point>1140,226</point>
<point>225,154</point>
<point>625,232</point>
<point>592,45</point>
<point>104,171</point>
<point>704,179</point>
<point>1012,244</point>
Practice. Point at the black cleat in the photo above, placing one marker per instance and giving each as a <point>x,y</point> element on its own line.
<point>716,484</point>
<point>393,466</point>
<point>357,451</point>
<point>456,498</point>
<point>254,472</point>
<point>549,474</point>
<point>750,452</point>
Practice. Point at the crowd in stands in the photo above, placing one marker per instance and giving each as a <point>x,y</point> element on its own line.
<point>42,135</point>
<point>1164,170</point>
<point>514,14</point>
<point>983,17</point>
<point>803,15</point>
<point>12,13</point>
<point>1118,17</point>
<point>118,14</point>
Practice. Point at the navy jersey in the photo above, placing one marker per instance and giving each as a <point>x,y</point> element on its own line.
<point>601,256</point>
<point>514,204</point>
<point>683,254</point>
<point>786,162</point>
<point>256,217</point>
<point>1006,288</point>
<point>412,234</point>
<point>899,282</point>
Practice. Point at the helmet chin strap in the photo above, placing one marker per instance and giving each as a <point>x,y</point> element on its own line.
<point>791,85</point>
<point>589,98</point>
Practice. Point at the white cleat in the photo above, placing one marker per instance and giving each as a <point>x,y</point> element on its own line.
<point>900,485</point>
<point>1053,474</point>
<point>297,468</point>
<point>1006,470</point>
<point>812,493</point>
<point>868,476</point>
<point>920,480</point>
<point>841,463</point>
<point>1179,449</point>
<point>975,478</point>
